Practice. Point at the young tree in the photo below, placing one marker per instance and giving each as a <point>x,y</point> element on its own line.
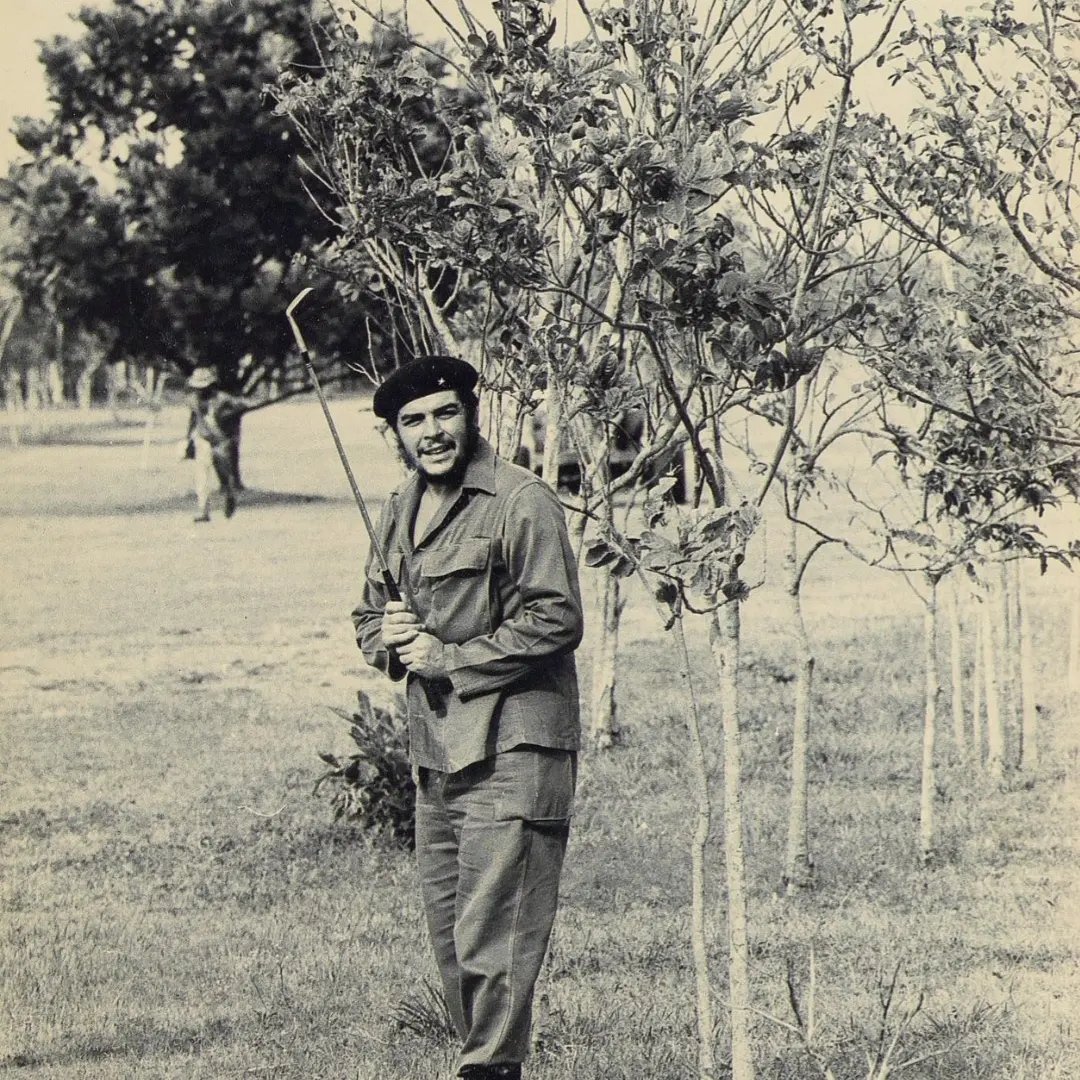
<point>806,220</point>
<point>590,261</point>
<point>962,497</point>
<point>956,666</point>
<point>985,174</point>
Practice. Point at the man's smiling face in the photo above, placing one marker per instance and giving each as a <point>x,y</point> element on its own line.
<point>435,436</point>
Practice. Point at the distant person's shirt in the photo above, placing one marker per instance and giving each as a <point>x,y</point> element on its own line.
<point>214,419</point>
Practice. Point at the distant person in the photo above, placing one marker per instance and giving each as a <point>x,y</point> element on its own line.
<point>488,654</point>
<point>212,430</point>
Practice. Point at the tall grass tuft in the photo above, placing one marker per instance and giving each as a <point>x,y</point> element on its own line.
<point>425,1014</point>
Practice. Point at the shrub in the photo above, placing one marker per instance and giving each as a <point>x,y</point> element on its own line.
<point>374,787</point>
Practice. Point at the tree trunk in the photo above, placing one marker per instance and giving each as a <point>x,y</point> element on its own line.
<point>699,845</point>
<point>927,784</point>
<point>13,403</point>
<point>35,395</point>
<point>725,642</point>
<point>54,381</point>
<point>553,419</point>
<point>118,381</point>
<point>1005,621</point>
<point>604,727</point>
<point>976,692</point>
<point>595,479</point>
<point>1029,733</point>
<point>956,666</point>
<point>13,391</point>
<point>84,388</point>
<point>13,398</point>
<point>995,731</point>
<point>54,369</point>
<point>1074,654</point>
<point>798,864</point>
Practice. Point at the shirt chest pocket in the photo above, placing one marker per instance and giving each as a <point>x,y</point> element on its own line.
<point>457,580</point>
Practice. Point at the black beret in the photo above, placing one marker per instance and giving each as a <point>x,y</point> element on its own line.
<point>418,378</point>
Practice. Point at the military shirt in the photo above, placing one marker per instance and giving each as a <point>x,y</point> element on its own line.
<point>495,579</point>
<point>213,419</point>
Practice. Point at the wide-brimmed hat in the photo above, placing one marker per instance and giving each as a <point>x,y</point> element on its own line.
<point>202,378</point>
<point>420,377</point>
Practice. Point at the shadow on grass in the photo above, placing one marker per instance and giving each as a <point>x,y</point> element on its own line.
<point>250,499</point>
<point>253,498</point>
<point>84,504</point>
<point>133,1039</point>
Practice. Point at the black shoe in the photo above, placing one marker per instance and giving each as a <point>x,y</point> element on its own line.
<point>230,505</point>
<point>491,1072</point>
<point>201,518</point>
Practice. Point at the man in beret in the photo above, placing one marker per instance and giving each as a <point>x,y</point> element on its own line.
<point>486,646</point>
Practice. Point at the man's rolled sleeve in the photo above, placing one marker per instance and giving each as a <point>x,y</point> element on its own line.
<point>548,620</point>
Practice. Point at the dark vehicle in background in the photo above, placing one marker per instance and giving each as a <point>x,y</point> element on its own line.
<point>625,445</point>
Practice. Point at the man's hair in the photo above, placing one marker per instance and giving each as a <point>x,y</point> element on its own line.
<point>469,402</point>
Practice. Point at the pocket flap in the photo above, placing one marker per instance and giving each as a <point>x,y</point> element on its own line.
<point>466,557</point>
<point>395,560</point>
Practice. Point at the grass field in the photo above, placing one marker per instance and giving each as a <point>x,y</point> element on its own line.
<point>176,904</point>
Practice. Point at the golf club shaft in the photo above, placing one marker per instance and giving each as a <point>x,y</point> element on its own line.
<point>434,697</point>
<point>376,547</point>
<point>305,355</point>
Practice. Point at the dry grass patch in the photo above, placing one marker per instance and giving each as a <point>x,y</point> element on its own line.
<point>178,905</point>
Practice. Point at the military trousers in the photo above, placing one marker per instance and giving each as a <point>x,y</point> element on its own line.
<point>490,842</point>
<point>213,467</point>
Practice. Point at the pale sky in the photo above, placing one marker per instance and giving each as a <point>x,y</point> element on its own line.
<point>24,22</point>
<point>22,88</point>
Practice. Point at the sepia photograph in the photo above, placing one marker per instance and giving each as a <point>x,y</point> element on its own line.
<point>543,539</point>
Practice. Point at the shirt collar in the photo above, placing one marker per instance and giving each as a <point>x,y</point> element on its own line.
<point>480,472</point>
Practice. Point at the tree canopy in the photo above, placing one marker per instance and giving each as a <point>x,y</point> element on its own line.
<point>163,204</point>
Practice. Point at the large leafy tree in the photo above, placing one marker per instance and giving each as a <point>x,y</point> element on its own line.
<point>162,204</point>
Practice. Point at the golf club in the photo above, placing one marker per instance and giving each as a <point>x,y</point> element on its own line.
<point>434,697</point>
<point>376,547</point>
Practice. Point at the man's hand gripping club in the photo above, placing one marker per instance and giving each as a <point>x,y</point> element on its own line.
<point>403,634</point>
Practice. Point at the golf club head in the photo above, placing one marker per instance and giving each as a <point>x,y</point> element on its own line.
<point>297,300</point>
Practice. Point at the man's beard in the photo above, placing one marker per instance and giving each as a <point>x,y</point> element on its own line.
<point>455,475</point>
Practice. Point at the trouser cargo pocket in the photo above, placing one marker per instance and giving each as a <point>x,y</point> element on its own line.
<point>537,785</point>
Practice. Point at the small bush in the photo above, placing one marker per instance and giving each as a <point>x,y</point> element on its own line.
<point>374,787</point>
